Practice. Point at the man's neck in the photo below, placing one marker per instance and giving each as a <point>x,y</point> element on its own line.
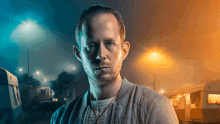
<point>104,92</point>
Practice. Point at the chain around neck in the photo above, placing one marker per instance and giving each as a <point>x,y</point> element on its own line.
<point>92,107</point>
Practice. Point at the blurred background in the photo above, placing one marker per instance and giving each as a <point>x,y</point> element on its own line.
<point>174,44</point>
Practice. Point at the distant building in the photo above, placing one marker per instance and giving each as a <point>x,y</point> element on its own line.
<point>39,94</point>
<point>31,95</point>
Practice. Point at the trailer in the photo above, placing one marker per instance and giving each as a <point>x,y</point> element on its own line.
<point>199,103</point>
<point>10,101</point>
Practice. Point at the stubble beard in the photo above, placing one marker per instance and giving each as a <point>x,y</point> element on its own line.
<point>103,81</point>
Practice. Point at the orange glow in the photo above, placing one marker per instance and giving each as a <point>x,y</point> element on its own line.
<point>154,54</point>
<point>153,60</point>
<point>162,91</point>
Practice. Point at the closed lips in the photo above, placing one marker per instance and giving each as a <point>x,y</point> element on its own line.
<point>100,68</point>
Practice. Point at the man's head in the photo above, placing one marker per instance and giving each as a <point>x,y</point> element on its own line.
<point>93,11</point>
<point>100,36</point>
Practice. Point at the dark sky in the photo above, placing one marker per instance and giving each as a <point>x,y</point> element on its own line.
<point>184,33</point>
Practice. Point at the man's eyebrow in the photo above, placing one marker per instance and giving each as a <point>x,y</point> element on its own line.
<point>91,42</point>
<point>91,39</point>
<point>109,39</point>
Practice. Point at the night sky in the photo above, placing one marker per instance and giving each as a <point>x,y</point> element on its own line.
<point>184,33</point>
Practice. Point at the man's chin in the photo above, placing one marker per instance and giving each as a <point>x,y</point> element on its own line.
<point>103,79</point>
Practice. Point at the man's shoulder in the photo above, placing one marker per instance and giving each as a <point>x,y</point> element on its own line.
<point>147,93</point>
<point>145,96</point>
<point>68,104</point>
<point>157,106</point>
<point>64,109</point>
<point>140,93</point>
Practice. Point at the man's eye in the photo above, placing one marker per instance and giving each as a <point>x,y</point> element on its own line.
<point>91,45</point>
<point>110,43</point>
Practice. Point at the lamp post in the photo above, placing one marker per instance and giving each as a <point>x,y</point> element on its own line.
<point>154,55</point>
<point>156,59</point>
<point>154,82</point>
<point>28,80</point>
<point>27,27</point>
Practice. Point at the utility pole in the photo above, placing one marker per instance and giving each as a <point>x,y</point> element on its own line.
<point>28,80</point>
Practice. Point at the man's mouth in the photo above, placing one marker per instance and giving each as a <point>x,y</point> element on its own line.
<point>101,68</point>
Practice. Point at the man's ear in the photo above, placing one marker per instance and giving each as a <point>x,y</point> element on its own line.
<point>77,52</point>
<point>126,48</point>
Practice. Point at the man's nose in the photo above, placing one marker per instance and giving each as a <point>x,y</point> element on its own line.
<point>101,52</point>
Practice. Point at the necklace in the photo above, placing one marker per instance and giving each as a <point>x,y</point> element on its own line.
<point>97,116</point>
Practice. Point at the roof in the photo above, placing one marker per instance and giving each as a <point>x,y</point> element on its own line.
<point>185,90</point>
<point>7,78</point>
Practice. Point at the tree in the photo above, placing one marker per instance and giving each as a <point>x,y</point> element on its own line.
<point>63,79</point>
<point>24,80</point>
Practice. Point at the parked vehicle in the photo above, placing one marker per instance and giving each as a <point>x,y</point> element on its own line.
<point>10,105</point>
<point>41,113</point>
<point>200,103</point>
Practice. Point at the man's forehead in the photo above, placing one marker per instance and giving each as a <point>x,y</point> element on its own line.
<point>99,20</point>
<point>91,22</point>
<point>103,17</point>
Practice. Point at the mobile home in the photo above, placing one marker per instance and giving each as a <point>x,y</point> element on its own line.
<point>199,103</point>
<point>10,104</point>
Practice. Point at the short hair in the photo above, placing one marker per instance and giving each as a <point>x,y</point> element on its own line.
<point>95,10</point>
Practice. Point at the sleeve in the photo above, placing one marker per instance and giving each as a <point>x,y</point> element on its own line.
<point>163,112</point>
<point>62,114</point>
<point>54,118</point>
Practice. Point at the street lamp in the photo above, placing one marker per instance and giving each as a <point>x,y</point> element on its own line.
<point>37,72</point>
<point>20,69</point>
<point>26,31</point>
<point>154,54</point>
<point>27,27</point>
<point>161,91</point>
<point>155,60</point>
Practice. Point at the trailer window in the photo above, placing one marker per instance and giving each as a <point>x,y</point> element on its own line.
<point>17,94</point>
<point>14,98</point>
<point>213,98</point>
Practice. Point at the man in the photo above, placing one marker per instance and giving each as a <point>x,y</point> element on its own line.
<point>111,99</point>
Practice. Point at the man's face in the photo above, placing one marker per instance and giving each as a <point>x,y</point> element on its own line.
<point>102,50</point>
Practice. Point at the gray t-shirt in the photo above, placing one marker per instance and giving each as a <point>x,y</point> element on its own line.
<point>99,106</point>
